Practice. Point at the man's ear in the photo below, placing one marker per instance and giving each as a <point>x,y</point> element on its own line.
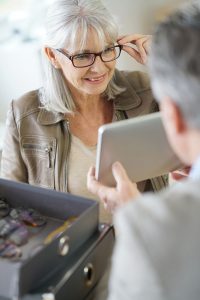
<point>50,53</point>
<point>172,116</point>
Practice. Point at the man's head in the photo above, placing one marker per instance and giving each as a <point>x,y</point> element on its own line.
<point>175,73</point>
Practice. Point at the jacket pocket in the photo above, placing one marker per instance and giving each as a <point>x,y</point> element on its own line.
<point>39,155</point>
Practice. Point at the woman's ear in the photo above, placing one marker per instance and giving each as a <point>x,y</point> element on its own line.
<point>50,53</point>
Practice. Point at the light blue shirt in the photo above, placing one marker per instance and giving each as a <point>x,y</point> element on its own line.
<point>195,171</point>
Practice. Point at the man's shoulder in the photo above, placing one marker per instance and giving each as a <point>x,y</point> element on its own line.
<point>157,237</point>
<point>169,206</point>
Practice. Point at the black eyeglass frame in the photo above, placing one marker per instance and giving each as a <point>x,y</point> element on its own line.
<point>71,57</point>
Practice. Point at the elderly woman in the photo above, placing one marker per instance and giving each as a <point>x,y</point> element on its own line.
<point>52,132</point>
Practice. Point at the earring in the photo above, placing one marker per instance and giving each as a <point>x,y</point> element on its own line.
<point>55,64</point>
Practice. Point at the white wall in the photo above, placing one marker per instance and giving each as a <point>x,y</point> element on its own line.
<point>138,16</point>
<point>20,72</point>
<point>20,63</point>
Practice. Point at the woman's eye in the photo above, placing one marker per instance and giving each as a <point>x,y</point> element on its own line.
<point>82,56</point>
<point>108,50</point>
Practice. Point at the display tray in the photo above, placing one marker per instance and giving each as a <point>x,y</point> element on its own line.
<point>41,261</point>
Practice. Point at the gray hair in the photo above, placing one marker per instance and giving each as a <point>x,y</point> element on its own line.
<point>175,62</point>
<point>66,18</point>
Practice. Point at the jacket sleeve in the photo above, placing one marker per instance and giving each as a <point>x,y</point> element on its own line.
<point>12,164</point>
<point>133,275</point>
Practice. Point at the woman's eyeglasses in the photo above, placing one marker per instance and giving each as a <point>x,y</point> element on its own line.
<point>18,224</point>
<point>13,229</point>
<point>83,60</point>
<point>28,216</point>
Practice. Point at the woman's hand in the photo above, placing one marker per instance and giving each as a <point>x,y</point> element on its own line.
<point>180,174</point>
<point>137,46</point>
<point>113,197</point>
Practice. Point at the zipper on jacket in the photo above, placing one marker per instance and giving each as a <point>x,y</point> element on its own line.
<point>66,151</point>
<point>48,151</point>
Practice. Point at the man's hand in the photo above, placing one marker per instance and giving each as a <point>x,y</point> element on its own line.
<point>137,46</point>
<point>113,197</point>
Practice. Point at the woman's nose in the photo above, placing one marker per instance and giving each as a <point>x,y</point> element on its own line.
<point>98,64</point>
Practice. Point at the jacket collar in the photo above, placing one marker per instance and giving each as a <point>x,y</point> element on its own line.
<point>46,117</point>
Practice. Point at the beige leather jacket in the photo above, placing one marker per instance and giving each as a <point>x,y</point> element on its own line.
<point>37,141</point>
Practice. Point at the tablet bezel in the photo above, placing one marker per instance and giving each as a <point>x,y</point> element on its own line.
<point>115,144</point>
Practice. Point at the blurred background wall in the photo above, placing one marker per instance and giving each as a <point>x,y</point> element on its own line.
<point>20,40</point>
<point>138,16</point>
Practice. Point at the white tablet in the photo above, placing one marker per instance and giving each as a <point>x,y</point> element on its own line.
<point>140,144</point>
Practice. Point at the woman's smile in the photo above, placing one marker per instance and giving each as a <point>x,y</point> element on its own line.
<point>95,79</point>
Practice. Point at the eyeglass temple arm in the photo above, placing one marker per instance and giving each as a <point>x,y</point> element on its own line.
<point>61,51</point>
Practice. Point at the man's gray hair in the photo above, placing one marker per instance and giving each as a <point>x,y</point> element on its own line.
<point>175,61</point>
<point>67,21</point>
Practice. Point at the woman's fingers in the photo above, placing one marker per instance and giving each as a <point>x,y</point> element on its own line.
<point>142,50</point>
<point>177,176</point>
<point>181,173</point>
<point>137,46</point>
<point>129,38</point>
<point>134,53</point>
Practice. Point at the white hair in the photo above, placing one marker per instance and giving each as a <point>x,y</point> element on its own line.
<point>68,23</point>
